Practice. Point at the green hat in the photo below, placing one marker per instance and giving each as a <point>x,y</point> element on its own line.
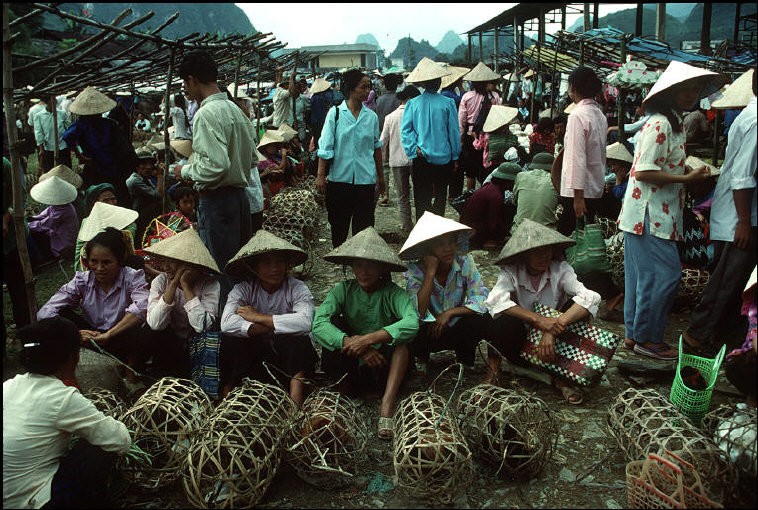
<point>529,235</point>
<point>95,190</point>
<point>506,171</point>
<point>542,161</point>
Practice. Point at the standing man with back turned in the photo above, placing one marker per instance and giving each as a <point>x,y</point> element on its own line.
<point>222,155</point>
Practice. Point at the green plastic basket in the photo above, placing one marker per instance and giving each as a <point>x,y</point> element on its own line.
<point>694,403</point>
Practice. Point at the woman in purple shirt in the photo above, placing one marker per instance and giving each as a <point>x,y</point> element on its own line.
<point>112,299</point>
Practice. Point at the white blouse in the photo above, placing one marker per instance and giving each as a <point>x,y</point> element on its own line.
<point>183,317</point>
<point>557,285</point>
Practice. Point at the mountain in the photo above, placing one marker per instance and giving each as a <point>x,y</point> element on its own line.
<point>411,51</point>
<point>367,39</point>
<point>680,11</point>
<point>223,18</point>
<point>449,42</point>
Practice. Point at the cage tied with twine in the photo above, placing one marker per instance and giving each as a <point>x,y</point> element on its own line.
<point>615,251</point>
<point>510,429</point>
<point>163,422</point>
<point>431,457</point>
<point>264,403</point>
<point>644,422</point>
<point>734,428</point>
<point>692,285</point>
<point>327,440</point>
<point>107,401</point>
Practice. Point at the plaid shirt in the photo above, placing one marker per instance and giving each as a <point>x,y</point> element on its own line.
<point>464,287</point>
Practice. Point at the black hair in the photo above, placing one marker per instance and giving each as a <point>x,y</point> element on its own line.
<point>391,82</point>
<point>112,239</point>
<point>585,82</point>
<point>182,191</point>
<point>48,344</point>
<point>480,86</point>
<point>351,79</point>
<point>662,103</point>
<point>560,119</point>
<point>431,85</point>
<point>409,92</point>
<point>200,64</point>
<point>755,86</point>
<point>182,103</point>
<point>545,125</point>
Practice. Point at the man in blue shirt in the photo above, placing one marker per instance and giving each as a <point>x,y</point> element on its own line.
<point>430,138</point>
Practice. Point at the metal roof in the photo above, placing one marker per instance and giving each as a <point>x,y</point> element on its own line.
<point>521,12</point>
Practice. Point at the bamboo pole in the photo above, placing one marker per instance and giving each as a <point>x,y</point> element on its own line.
<point>166,142</point>
<point>18,197</point>
<point>553,87</point>
<point>237,73</point>
<point>258,96</point>
<point>716,138</point>
<point>622,93</point>
<point>56,150</point>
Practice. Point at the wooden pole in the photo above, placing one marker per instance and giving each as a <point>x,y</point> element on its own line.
<point>258,94</point>
<point>595,15</point>
<point>716,137</point>
<point>736,32</point>
<point>468,50</point>
<point>622,93</point>
<point>660,22</point>
<point>18,195</point>
<point>553,88</point>
<point>56,150</point>
<point>481,48</point>
<point>497,48</point>
<point>638,19</point>
<point>237,73</point>
<point>166,141</point>
<point>131,113</point>
<point>586,17</point>
<point>705,29</point>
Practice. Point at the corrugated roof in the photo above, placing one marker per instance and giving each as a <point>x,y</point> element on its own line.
<point>521,12</point>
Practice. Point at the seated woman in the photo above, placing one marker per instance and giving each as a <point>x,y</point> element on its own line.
<point>182,301</point>
<point>446,289</point>
<point>41,414</point>
<point>272,170</point>
<point>494,140</point>
<point>110,216</point>
<point>364,325</point>
<point>112,299</point>
<point>267,317</point>
<point>533,273</point>
<point>54,229</point>
<point>488,213</point>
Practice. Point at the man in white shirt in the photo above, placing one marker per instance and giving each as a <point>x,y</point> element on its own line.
<point>38,105</point>
<point>284,112</point>
<point>44,135</point>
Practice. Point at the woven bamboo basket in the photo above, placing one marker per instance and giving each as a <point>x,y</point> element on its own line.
<point>264,402</point>
<point>510,429</point>
<point>327,440</point>
<point>107,401</point>
<point>644,422</point>
<point>607,225</point>
<point>232,464</point>
<point>163,422</point>
<point>734,428</point>
<point>692,285</point>
<point>615,251</point>
<point>431,457</point>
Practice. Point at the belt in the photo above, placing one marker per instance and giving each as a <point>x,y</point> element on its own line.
<point>216,191</point>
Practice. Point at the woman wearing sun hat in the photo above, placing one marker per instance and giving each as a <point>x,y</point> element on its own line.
<point>54,229</point>
<point>75,180</point>
<point>272,170</point>
<point>446,289</point>
<point>267,317</point>
<point>651,213</point>
<point>532,271</point>
<point>104,215</point>
<point>365,324</point>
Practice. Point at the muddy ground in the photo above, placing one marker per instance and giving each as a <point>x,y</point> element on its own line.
<point>587,469</point>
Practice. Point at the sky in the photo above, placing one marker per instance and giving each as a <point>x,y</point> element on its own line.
<point>323,23</point>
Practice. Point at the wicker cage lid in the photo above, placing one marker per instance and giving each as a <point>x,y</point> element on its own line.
<point>619,152</point>
<point>105,215</point>
<point>91,102</point>
<point>456,73</point>
<point>498,117</point>
<point>64,173</point>
<point>320,85</point>
<point>366,245</point>
<point>481,72</point>
<point>187,247</point>
<point>736,95</point>
<point>428,227</point>
<point>286,132</point>
<point>679,72</point>
<point>53,191</point>
<point>182,146</point>
<point>263,242</point>
<point>529,235</point>
<point>427,69</point>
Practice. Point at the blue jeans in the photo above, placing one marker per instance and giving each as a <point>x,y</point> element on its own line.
<point>224,225</point>
<point>652,273</point>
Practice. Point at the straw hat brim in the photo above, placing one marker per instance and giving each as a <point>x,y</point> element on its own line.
<point>269,137</point>
<point>679,72</point>
<point>456,74</point>
<point>366,245</point>
<point>185,247</point>
<point>694,162</point>
<point>183,147</point>
<point>53,191</point>
<point>738,94</point>
<point>320,85</point>
<point>64,173</point>
<point>428,227</point>
<point>261,243</point>
<point>481,72</point>
<point>91,102</point>
<point>286,132</point>
<point>498,117</point>
<point>106,215</point>
<point>618,152</point>
<point>529,235</point>
<point>426,70</point>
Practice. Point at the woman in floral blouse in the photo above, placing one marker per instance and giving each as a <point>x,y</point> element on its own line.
<point>651,212</point>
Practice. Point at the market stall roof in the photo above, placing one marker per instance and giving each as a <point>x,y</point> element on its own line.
<point>521,12</point>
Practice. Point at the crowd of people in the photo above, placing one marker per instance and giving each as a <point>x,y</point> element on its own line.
<point>148,284</point>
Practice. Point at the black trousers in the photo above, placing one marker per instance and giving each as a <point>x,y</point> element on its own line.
<point>463,337</point>
<point>348,204</point>
<point>567,220</point>
<point>430,182</point>
<point>48,159</point>
<point>13,276</point>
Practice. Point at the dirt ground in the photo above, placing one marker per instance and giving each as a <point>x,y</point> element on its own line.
<point>587,469</point>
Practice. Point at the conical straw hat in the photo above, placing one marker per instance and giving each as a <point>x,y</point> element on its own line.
<point>570,108</point>
<point>366,245</point>
<point>53,191</point>
<point>529,74</point>
<point>679,72</point>
<point>64,173</point>
<point>320,85</point>
<point>263,242</point>
<point>183,147</point>
<point>738,94</point>
<point>529,235</point>
<point>91,102</point>
<point>456,74</point>
<point>286,132</point>
<point>427,69</point>
<point>498,117</point>
<point>106,215</point>
<point>511,77</point>
<point>240,91</point>
<point>187,247</point>
<point>270,136</point>
<point>618,151</point>
<point>481,73</point>
<point>428,227</point>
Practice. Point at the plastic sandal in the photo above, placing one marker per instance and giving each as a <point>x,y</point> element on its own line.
<point>656,351</point>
